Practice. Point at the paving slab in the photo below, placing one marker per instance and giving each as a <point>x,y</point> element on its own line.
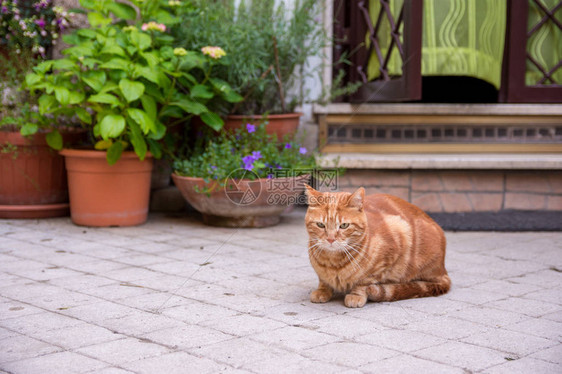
<point>174,295</point>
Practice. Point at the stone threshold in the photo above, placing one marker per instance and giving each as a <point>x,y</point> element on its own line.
<point>441,109</point>
<point>480,161</point>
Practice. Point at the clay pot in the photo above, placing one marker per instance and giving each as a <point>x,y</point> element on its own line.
<point>107,195</point>
<point>278,124</point>
<point>33,176</point>
<point>241,203</point>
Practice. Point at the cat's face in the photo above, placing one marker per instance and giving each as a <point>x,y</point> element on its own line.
<point>335,221</point>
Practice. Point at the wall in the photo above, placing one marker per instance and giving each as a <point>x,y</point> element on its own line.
<point>463,191</point>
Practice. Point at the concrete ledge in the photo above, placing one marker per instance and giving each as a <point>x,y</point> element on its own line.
<point>441,109</point>
<point>444,161</point>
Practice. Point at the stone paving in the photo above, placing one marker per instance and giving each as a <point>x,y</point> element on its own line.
<point>174,296</point>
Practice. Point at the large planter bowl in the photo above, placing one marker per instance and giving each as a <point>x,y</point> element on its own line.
<point>278,124</point>
<point>106,195</point>
<point>241,203</point>
<point>33,176</point>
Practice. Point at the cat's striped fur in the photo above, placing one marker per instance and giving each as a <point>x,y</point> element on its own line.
<point>377,247</point>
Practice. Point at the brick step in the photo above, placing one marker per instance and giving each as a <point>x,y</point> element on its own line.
<point>457,183</point>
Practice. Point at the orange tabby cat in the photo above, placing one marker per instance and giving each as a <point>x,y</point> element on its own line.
<point>377,247</point>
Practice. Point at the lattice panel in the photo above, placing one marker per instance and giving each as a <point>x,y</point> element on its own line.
<point>374,37</point>
<point>544,60</point>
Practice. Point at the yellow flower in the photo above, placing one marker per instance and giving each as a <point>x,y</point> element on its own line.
<point>129,28</point>
<point>180,52</point>
<point>213,52</point>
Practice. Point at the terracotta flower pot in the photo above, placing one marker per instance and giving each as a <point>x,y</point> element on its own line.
<point>241,203</point>
<point>107,195</point>
<point>32,175</point>
<point>279,124</point>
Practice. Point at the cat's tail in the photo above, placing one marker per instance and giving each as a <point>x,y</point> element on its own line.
<point>409,290</point>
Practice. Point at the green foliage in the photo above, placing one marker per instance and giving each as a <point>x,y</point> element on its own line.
<point>125,82</point>
<point>232,154</point>
<point>266,46</point>
<point>26,120</point>
<point>13,68</point>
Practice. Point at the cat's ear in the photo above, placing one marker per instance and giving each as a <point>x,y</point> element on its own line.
<point>356,199</point>
<point>312,195</point>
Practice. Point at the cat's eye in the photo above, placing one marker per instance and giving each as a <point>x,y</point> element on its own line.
<point>320,224</point>
<point>344,225</point>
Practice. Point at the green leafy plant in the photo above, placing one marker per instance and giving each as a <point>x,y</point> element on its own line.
<point>267,47</point>
<point>13,68</point>
<point>126,83</point>
<point>247,152</point>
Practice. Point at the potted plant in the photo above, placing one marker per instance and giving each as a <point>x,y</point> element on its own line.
<point>126,84</point>
<point>267,46</point>
<point>244,178</point>
<point>33,182</point>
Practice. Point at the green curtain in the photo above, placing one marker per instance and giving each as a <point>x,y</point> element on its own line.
<point>544,45</point>
<point>460,37</point>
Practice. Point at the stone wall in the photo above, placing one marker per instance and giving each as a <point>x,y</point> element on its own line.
<point>463,191</point>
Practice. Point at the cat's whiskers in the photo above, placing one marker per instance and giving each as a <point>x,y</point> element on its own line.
<point>350,256</point>
<point>316,248</point>
<point>352,260</point>
<point>353,249</point>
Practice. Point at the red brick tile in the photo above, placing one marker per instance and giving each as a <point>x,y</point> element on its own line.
<point>456,181</point>
<point>426,181</point>
<point>555,181</point>
<point>400,192</point>
<point>472,181</point>
<point>487,181</point>
<point>344,180</point>
<point>524,201</point>
<point>347,189</point>
<point>486,202</point>
<point>428,202</point>
<point>375,178</point>
<point>554,203</point>
<point>455,202</point>
<point>527,182</point>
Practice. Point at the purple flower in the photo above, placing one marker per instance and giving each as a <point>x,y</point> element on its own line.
<point>269,176</point>
<point>40,4</point>
<point>248,162</point>
<point>213,167</point>
<point>302,150</point>
<point>251,128</point>
<point>288,146</point>
<point>40,22</point>
<point>250,159</point>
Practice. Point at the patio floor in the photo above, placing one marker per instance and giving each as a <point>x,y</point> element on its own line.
<point>175,296</point>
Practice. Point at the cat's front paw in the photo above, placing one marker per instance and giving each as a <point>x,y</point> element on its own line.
<point>320,296</point>
<point>355,301</point>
